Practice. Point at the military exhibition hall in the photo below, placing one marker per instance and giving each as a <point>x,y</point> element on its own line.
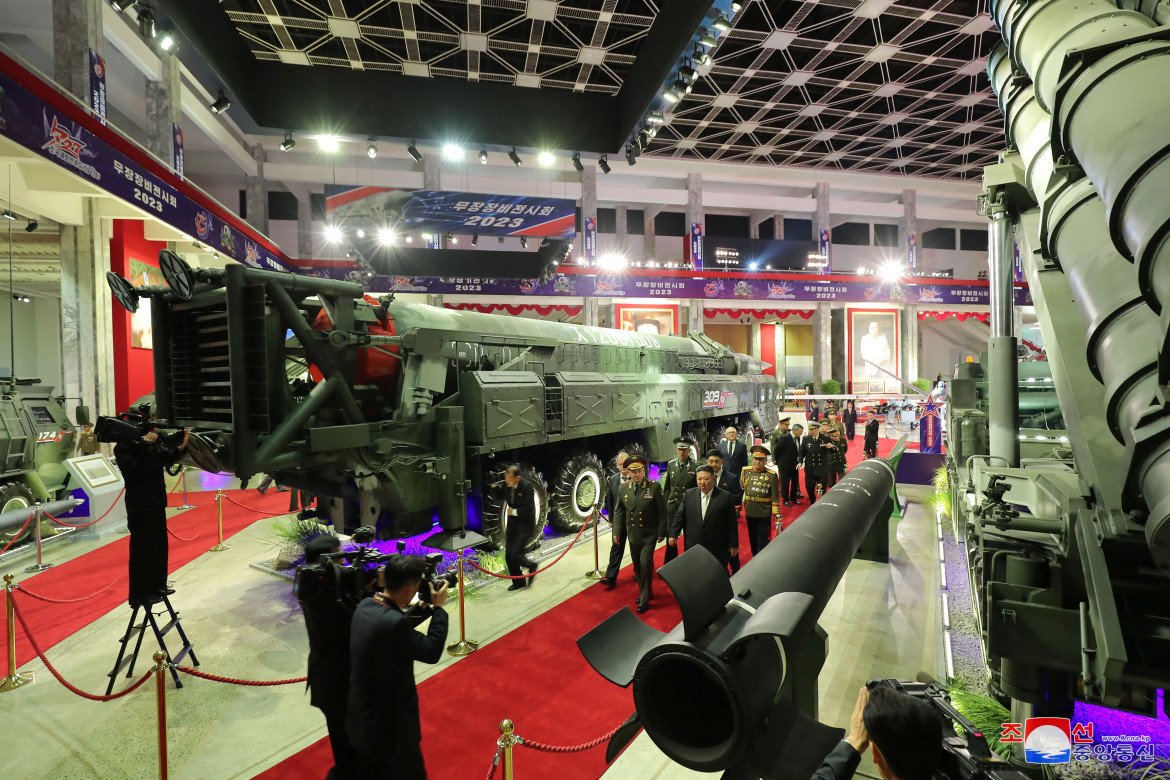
<point>579,389</point>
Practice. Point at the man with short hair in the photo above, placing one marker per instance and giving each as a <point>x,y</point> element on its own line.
<point>785,455</point>
<point>838,445</point>
<point>761,498</point>
<point>519,498</point>
<point>734,451</point>
<point>726,479</point>
<point>383,720</point>
<point>618,547</point>
<point>798,437</point>
<point>640,513</point>
<point>680,477</point>
<point>815,461</point>
<point>707,517</point>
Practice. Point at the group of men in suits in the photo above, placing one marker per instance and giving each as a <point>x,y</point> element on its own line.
<point>821,452</point>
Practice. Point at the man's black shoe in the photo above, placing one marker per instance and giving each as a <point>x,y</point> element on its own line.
<point>532,576</point>
<point>609,583</point>
<point>261,491</point>
<point>517,585</point>
<point>643,607</point>
<point>787,503</point>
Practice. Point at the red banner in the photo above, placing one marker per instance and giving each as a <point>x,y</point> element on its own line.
<point>490,308</point>
<point>961,316</point>
<point>760,314</point>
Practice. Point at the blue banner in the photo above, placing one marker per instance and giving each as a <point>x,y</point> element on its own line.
<point>825,247</point>
<point>696,246</point>
<point>177,136</point>
<point>912,253</point>
<point>930,428</point>
<point>1017,264</point>
<point>591,240</point>
<point>429,211</point>
<point>97,85</point>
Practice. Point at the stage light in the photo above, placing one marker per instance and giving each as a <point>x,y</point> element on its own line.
<point>122,5</point>
<point>451,239</point>
<point>361,232</point>
<point>603,163</point>
<point>753,266</point>
<point>452,152</point>
<point>655,118</point>
<point>500,239</point>
<point>288,143</point>
<point>891,271</point>
<point>475,239</point>
<point>671,96</point>
<point>169,44</point>
<point>523,242</point>
<point>31,226</point>
<point>577,162</point>
<point>386,236</point>
<point>736,8</point>
<point>483,156</point>
<point>414,152</point>
<point>721,24</point>
<point>221,104</point>
<point>515,158</point>
<point>20,298</point>
<point>707,39</point>
<point>146,26</point>
<point>612,262</point>
<point>8,215</point>
<point>546,159</point>
<point>328,143</point>
<point>651,131</point>
<point>371,148</point>
<point>409,239</point>
<point>682,87</point>
<point>631,155</point>
<point>688,73</point>
<point>332,234</point>
<point>215,255</point>
<point>701,57</point>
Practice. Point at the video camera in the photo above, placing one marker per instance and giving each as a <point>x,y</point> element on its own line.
<point>966,756</point>
<point>130,426</point>
<point>432,581</point>
<point>342,577</point>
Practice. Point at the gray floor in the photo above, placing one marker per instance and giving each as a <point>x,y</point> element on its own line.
<point>881,621</point>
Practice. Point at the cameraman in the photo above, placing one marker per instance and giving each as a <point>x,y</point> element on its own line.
<point>327,623</point>
<point>383,720</point>
<point>141,462</point>
<point>904,732</point>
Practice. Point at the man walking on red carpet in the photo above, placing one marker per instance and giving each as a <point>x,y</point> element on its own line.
<point>640,515</point>
<point>618,548</point>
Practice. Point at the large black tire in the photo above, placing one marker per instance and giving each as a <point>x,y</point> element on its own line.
<point>495,524</point>
<point>15,496</point>
<point>580,484</point>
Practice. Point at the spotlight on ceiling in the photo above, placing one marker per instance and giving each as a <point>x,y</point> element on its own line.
<point>577,162</point>
<point>701,57</point>
<point>682,87</point>
<point>413,151</point>
<point>515,158</point>
<point>671,95</point>
<point>523,242</point>
<point>146,26</point>
<point>288,143</point>
<point>32,226</point>
<point>20,298</point>
<point>631,154</point>
<point>221,104</point>
<point>8,215</point>
<point>688,73</point>
<point>656,118</point>
<point>452,152</point>
<point>168,44</point>
<point>707,39</point>
<point>736,8</point>
<point>332,234</point>
<point>452,239</point>
<point>410,239</point>
<point>360,232</point>
<point>546,159</point>
<point>603,163</point>
<point>483,156</point>
<point>122,5</point>
<point>474,239</point>
<point>721,24</point>
<point>386,236</point>
<point>328,143</point>
<point>371,148</point>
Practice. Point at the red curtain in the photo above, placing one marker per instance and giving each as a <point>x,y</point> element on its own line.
<point>982,316</point>
<point>488,308</point>
<point>760,314</point>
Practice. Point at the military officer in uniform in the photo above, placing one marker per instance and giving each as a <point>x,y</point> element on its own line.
<point>640,515</point>
<point>837,466</point>
<point>761,498</point>
<point>87,442</point>
<point>816,462</point>
<point>680,477</point>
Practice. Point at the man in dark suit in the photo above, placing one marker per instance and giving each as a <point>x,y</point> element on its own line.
<point>680,477</point>
<point>727,480</point>
<point>383,720</point>
<point>785,455</point>
<point>734,451</point>
<point>707,516</point>
<point>519,499</point>
<point>815,461</point>
<point>640,513</point>
<point>798,437</point>
<point>618,548</point>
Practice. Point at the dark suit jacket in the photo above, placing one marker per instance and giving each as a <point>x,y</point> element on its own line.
<point>730,482</point>
<point>734,462</point>
<point>838,765</point>
<point>785,454</point>
<point>522,498</point>
<point>613,487</point>
<point>718,532</point>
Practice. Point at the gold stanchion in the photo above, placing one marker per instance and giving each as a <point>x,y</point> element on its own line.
<point>160,689</point>
<point>464,646</point>
<point>186,504</point>
<point>39,566</point>
<point>219,520</point>
<point>596,574</point>
<point>14,679</point>
<point>505,743</point>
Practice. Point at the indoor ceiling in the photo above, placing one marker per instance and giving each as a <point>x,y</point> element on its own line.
<point>879,86</point>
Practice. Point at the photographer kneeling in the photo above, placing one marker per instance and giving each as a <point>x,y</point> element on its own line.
<point>383,719</point>
<point>905,733</point>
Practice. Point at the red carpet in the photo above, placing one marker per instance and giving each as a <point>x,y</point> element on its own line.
<point>50,623</point>
<point>536,676</point>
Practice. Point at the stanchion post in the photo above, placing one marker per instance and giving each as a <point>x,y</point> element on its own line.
<point>596,573</point>
<point>160,689</point>
<point>464,646</point>
<point>505,743</point>
<point>186,504</point>
<point>14,679</point>
<point>38,516</point>
<point>219,521</point>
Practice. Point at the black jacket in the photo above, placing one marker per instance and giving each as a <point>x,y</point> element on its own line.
<point>871,432</point>
<point>522,498</point>
<point>718,532</point>
<point>734,461</point>
<point>838,765</point>
<point>613,487</point>
<point>327,624</point>
<point>785,453</point>
<point>729,481</point>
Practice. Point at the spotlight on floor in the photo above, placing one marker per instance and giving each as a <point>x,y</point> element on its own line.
<point>32,226</point>
<point>413,151</point>
<point>577,162</point>
<point>603,163</point>
<point>515,158</point>
<point>288,143</point>
<point>221,104</point>
<point>371,148</point>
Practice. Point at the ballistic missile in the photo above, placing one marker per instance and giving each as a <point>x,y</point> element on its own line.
<point>733,686</point>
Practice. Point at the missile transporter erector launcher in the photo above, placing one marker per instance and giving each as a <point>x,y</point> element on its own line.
<point>402,410</point>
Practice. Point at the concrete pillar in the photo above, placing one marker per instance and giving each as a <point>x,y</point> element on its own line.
<point>304,221</point>
<point>909,328</point>
<point>588,206</point>
<point>649,240</point>
<point>754,339</point>
<point>778,226</point>
<point>77,28</point>
<point>694,200</point>
<point>435,300</point>
<point>822,219</point>
<point>822,344</point>
<point>87,361</point>
<point>622,228</point>
<point>907,227</point>
<point>592,312</point>
<point>163,111</point>
<point>256,192</point>
<point>694,316</point>
<point>432,172</point>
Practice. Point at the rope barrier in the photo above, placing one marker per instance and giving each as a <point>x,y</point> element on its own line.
<point>180,538</point>
<point>72,688</point>
<point>18,533</point>
<point>92,522</point>
<point>250,509</point>
<point>234,681</point>
<point>538,571</point>
<point>542,747</point>
<point>46,599</point>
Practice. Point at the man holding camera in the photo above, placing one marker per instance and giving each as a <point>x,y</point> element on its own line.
<point>905,734</point>
<point>383,719</point>
<point>519,498</point>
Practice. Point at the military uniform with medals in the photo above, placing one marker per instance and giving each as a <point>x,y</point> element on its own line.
<point>640,515</point>
<point>680,477</point>
<point>761,499</point>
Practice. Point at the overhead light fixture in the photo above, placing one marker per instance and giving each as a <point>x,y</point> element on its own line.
<point>721,23</point>
<point>736,7</point>
<point>483,156</point>
<point>546,159</point>
<point>451,239</point>
<point>361,232</point>
<point>671,95</point>
<point>651,130</point>
<point>332,234</point>
<point>288,143</point>
<point>8,215</point>
<point>122,5</point>
<point>20,298</point>
<point>707,39</point>
<point>687,72</point>
<point>386,236</point>
<point>682,87</point>
<point>31,226</point>
<point>452,152</point>
<point>221,104</point>
<point>577,162</point>
<point>371,148</point>
<point>409,239</point>
<point>328,143</point>
<point>631,154</point>
<point>515,158</point>
<point>700,56</point>
<point>603,163</point>
<point>146,26</point>
<point>168,44</point>
<point>474,239</point>
<point>656,118</point>
<point>414,152</point>
<point>524,242</point>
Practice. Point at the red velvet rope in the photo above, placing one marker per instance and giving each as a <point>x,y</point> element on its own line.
<point>92,522</point>
<point>241,506</point>
<point>234,681</point>
<point>538,571</point>
<point>39,597</point>
<point>18,533</point>
<point>180,538</point>
<point>565,748</point>
<point>62,680</point>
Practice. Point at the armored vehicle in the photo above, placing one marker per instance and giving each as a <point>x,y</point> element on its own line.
<point>36,437</point>
<point>405,411</point>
